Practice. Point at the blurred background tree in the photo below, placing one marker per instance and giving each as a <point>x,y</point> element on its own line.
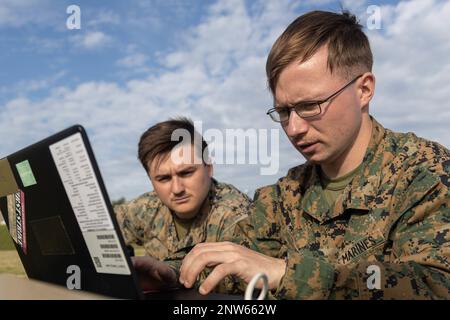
<point>118,201</point>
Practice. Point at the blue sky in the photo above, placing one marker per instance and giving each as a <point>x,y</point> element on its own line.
<point>134,63</point>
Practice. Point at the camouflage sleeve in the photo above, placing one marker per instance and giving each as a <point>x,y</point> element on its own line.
<point>126,219</point>
<point>224,224</point>
<point>264,232</point>
<point>228,227</point>
<point>175,264</point>
<point>419,271</point>
<point>235,231</point>
<point>229,285</point>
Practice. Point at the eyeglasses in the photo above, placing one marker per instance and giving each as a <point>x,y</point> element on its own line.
<point>304,109</point>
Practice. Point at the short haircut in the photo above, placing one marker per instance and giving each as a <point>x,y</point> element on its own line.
<point>157,140</point>
<point>348,47</point>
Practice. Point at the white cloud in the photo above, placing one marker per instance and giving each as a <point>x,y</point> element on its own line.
<point>26,86</point>
<point>92,40</point>
<point>44,45</point>
<point>18,13</point>
<point>133,60</point>
<point>217,75</point>
<point>104,18</point>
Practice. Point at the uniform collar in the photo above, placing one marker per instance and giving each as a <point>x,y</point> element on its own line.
<point>359,193</point>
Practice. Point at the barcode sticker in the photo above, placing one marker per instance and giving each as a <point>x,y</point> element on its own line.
<point>108,246</point>
<point>106,252</point>
<point>111,255</point>
<point>105,236</point>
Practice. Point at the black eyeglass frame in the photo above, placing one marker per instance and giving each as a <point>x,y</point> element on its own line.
<point>319,102</point>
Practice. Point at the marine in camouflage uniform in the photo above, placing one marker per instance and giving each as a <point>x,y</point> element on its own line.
<point>395,214</point>
<point>147,222</point>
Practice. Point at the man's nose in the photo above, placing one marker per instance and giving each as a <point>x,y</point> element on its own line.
<point>296,125</point>
<point>177,185</point>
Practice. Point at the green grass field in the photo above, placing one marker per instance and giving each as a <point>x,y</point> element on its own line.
<point>10,263</point>
<point>9,259</point>
<point>5,240</point>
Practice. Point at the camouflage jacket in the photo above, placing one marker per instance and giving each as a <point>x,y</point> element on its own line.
<point>147,222</point>
<point>392,220</point>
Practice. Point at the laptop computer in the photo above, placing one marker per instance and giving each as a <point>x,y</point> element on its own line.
<point>57,210</point>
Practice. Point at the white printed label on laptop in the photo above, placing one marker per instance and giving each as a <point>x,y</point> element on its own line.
<point>78,177</point>
<point>87,201</point>
<point>106,252</point>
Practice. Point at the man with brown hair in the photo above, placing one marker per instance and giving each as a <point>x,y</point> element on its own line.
<point>368,215</point>
<point>188,206</point>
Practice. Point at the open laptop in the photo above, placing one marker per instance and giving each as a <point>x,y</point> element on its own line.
<point>55,204</point>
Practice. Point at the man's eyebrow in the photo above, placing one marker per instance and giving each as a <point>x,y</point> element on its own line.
<point>291,104</point>
<point>162,175</point>
<point>161,172</point>
<point>184,169</point>
<point>315,98</point>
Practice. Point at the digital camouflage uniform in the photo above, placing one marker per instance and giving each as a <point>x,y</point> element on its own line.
<point>147,222</point>
<point>395,214</point>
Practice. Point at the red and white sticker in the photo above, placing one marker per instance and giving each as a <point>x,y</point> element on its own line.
<point>17,219</point>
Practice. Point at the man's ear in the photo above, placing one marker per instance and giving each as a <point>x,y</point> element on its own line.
<point>366,88</point>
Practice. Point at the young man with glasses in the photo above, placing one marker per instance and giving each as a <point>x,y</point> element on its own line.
<point>368,215</point>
